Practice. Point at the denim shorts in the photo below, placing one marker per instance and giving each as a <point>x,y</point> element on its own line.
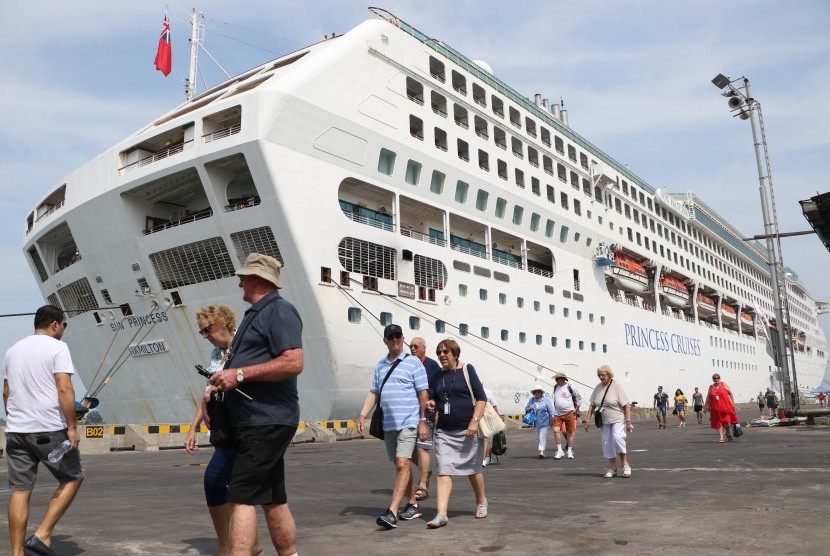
<point>26,450</point>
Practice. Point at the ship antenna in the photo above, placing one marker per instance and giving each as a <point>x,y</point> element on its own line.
<point>196,31</point>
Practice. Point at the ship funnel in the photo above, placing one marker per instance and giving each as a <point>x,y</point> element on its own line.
<point>537,99</point>
<point>563,115</point>
<point>554,109</point>
<point>545,103</point>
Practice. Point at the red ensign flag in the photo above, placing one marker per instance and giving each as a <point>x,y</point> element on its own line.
<point>164,54</point>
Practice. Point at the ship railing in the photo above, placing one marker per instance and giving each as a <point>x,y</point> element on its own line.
<point>509,262</point>
<point>52,209</point>
<point>374,222</point>
<point>423,237</point>
<point>415,98</point>
<point>222,133</point>
<point>251,202</point>
<point>161,155</point>
<point>200,215</point>
<point>540,271</point>
<point>468,251</point>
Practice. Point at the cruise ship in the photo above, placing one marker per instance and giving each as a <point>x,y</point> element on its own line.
<point>400,182</point>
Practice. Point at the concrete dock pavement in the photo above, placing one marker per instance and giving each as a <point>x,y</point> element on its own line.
<point>765,493</point>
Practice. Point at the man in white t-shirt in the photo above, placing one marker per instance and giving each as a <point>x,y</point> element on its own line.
<point>40,415</point>
<point>566,402</point>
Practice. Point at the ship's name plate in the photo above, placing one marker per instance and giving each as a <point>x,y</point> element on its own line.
<point>405,289</point>
<point>660,340</point>
<point>138,321</point>
<point>152,347</point>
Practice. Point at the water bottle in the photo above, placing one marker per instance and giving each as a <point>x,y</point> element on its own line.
<point>58,453</point>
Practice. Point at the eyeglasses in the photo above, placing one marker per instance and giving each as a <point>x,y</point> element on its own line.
<point>442,351</point>
<point>394,337</point>
<point>416,346</point>
<point>65,324</point>
<point>205,331</point>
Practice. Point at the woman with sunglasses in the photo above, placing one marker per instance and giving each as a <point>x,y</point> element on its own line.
<point>217,325</point>
<point>458,450</point>
<point>721,408</point>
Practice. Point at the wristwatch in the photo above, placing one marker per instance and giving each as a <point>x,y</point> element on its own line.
<point>423,419</point>
<point>240,377</point>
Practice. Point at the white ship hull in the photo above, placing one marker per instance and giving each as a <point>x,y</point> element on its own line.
<point>290,160</point>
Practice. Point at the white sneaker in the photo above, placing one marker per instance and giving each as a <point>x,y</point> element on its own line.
<point>626,471</point>
<point>484,463</point>
<point>610,473</point>
<point>559,454</point>
<point>570,454</point>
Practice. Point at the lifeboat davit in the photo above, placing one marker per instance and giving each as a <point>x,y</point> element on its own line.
<point>628,275</point>
<point>746,322</point>
<point>728,314</point>
<point>705,305</point>
<point>675,292</point>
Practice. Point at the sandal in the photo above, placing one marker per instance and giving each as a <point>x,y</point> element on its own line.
<point>421,493</point>
<point>481,511</point>
<point>437,521</point>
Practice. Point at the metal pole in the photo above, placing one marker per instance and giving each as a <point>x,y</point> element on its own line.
<point>772,257</point>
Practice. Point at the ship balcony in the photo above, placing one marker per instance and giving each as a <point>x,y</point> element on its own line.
<point>440,242</point>
<point>152,158</point>
<point>222,133</point>
<point>157,225</point>
<point>370,221</point>
<point>499,257</point>
<point>474,251</point>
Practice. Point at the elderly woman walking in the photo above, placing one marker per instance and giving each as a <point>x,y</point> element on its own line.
<point>542,407</point>
<point>721,408</point>
<point>459,402</point>
<point>610,401</point>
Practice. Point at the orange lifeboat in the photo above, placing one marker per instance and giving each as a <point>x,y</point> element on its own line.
<point>746,322</point>
<point>705,305</point>
<point>728,314</point>
<point>802,338</point>
<point>627,274</point>
<point>675,292</point>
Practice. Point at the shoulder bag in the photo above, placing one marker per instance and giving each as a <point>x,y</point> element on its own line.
<point>490,422</point>
<point>598,412</point>
<point>376,426</point>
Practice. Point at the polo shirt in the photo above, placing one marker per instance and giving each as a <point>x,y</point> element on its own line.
<point>399,397</point>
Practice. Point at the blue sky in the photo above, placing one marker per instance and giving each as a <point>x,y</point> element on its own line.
<point>635,77</point>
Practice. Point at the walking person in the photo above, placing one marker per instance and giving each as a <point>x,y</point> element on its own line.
<point>418,348</point>
<point>217,325</point>
<point>762,400</point>
<point>721,408</point>
<point>267,356</point>
<point>459,400</point>
<point>566,402</point>
<point>540,404</point>
<point>401,383</point>
<point>491,398</point>
<point>611,401</point>
<point>680,407</point>
<point>772,402</point>
<point>40,416</point>
<point>660,406</point>
<point>697,400</point>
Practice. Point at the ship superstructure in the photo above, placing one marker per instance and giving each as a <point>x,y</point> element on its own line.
<point>398,181</point>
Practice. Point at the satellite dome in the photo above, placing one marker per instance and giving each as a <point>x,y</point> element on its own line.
<point>484,65</point>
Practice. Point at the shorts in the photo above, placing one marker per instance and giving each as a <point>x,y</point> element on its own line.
<point>568,419</point>
<point>26,450</point>
<point>660,410</point>
<point>680,407</point>
<point>761,406</point>
<point>258,475</point>
<point>698,408</point>
<point>400,444</point>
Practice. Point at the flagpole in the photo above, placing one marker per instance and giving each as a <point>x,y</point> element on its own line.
<point>190,83</point>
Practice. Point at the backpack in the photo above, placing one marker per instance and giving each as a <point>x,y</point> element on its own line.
<point>499,446</point>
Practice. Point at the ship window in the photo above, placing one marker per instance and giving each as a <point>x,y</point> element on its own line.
<point>579,315</point>
<point>593,346</point>
<point>518,213</point>
<point>440,139</point>
<point>577,235</point>
<point>559,144</point>
<point>482,294</point>
<point>517,147</point>
<point>463,150</point>
<point>485,332</point>
<point>41,270</point>
<point>325,275</point>
<point>538,339</point>
<point>459,82</point>
<point>501,276</point>
<point>367,258</point>
<point>563,200</point>
<point>463,329</point>
<point>483,160</point>
<point>575,180</point>
<point>537,306</point>
<point>566,312</point>
<point>481,199</point>
<point>503,298</point>
<point>604,348</point>
<point>479,96</point>
<point>502,169</point>
<point>563,234</point>
<point>416,127</point>
<point>462,290</point>
<point>536,186</point>
<point>413,172</point>
<point>551,194</point>
<point>522,337</point>
<point>436,69</point>
<point>462,266</point>
<point>562,173</point>
<point>554,341</point>
<point>415,91</point>
<point>545,136</point>
<point>534,222</point>
<point>460,116</point>
<point>192,263</point>
<point>499,137</point>
<point>567,343</point>
<point>440,326</point>
<point>430,273</point>
<point>436,185</point>
<point>385,318</point>
<point>577,207</point>
<point>354,314</point>
<point>498,106</point>
<point>414,323</point>
<point>176,299</point>
<point>520,302</point>
<point>386,162</point>
<point>505,335</point>
<point>59,248</point>
<point>345,279</point>
<point>439,103</point>
<point>520,178</point>
<point>590,317</point>
<point>461,188</point>
<point>583,160</point>
<point>515,118</point>
<point>126,310</point>
<point>549,226</point>
<point>552,309</point>
<point>581,345</point>
<point>97,318</point>
<point>481,127</point>
<point>572,153</point>
<point>106,295</point>
<point>501,207</point>
<point>370,283</point>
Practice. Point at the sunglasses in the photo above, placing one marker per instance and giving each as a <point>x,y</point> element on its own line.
<point>204,331</point>
<point>65,324</point>
<point>442,351</point>
<point>394,337</point>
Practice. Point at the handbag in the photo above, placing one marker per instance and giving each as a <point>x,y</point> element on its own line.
<point>490,422</point>
<point>529,418</point>
<point>376,426</point>
<point>737,430</point>
<point>598,412</point>
<point>221,430</point>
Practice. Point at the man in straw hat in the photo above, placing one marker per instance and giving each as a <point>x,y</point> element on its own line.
<point>566,401</point>
<point>266,355</point>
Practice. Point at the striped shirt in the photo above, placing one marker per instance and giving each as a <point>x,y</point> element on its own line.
<point>399,398</point>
